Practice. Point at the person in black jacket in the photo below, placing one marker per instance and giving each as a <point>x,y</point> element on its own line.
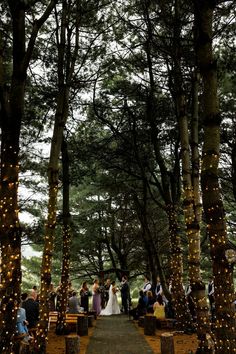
<point>31,310</point>
<point>125,294</point>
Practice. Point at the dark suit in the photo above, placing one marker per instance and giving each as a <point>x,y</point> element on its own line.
<point>125,296</point>
<point>32,312</point>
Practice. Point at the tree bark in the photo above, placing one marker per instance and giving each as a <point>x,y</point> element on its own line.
<point>212,200</point>
<point>66,64</point>
<point>12,110</point>
<point>167,343</point>
<point>72,344</point>
<point>190,194</point>
<point>66,236</point>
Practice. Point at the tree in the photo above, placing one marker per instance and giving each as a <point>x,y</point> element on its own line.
<point>12,95</point>
<point>212,200</point>
<point>67,44</point>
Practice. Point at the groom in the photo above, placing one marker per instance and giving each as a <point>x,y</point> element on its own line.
<point>125,294</point>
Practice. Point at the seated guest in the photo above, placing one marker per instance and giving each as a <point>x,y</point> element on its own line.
<point>159,308</point>
<point>141,308</point>
<point>150,301</point>
<point>73,303</point>
<point>31,310</point>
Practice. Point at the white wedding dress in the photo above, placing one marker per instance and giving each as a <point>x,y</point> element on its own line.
<point>112,307</point>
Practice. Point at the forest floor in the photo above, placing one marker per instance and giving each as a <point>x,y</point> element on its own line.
<point>184,343</point>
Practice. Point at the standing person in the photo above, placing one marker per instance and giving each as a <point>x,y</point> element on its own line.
<point>21,324</point>
<point>70,289</point>
<point>96,303</point>
<point>147,285</point>
<point>191,303</point>
<point>73,303</point>
<point>31,310</point>
<point>106,288</point>
<point>125,294</point>
<point>112,307</point>
<point>211,297</point>
<point>84,296</point>
<point>52,298</point>
<point>34,293</point>
<point>158,289</point>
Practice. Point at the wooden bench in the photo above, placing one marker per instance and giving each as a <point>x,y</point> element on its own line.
<point>53,316</point>
<point>78,322</point>
<point>71,318</point>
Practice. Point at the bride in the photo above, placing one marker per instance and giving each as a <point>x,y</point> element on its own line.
<point>112,307</point>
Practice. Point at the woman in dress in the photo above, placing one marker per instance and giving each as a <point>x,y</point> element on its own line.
<point>159,307</point>
<point>112,307</point>
<point>96,304</point>
<point>84,296</point>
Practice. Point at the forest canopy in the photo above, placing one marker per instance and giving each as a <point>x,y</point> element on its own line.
<point>117,123</point>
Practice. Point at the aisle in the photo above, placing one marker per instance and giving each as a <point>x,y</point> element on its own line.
<point>117,335</point>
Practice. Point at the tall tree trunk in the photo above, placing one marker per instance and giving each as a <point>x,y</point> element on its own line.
<point>66,64</point>
<point>53,170</point>
<point>179,299</point>
<point>12,111</point>
<point>12,114</point>
<point>178,295</point>
<point>212,200</point>
<point>191,222</point>
<point>66,233</point>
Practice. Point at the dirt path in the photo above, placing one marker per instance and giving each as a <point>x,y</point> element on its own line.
<point>119,335</point>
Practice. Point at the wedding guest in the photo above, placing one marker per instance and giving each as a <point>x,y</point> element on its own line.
<point>52,298</point>
<point>59,297</point>
<point>150,301</point>
<point>159,307</point>
<point>73,303</point>
<point>158,289</point>
<point>84,296</point>
<point>191,303</point>
<point>31,310</point>
<point>70,289</point>
<point>211,297</point>
<point>34,293</point>
<point>96,303</point>
<point>125,294</point>
<point>21,324</point>
<point>141,308</point>
<point>147,284</point>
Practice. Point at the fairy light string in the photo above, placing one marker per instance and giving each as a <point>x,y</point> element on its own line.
<point>10,269</point>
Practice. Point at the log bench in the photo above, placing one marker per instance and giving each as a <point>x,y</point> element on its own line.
<point>149,325</point>
<point>141,321</point>
<point>72,343</point>
<point>77,322</point>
